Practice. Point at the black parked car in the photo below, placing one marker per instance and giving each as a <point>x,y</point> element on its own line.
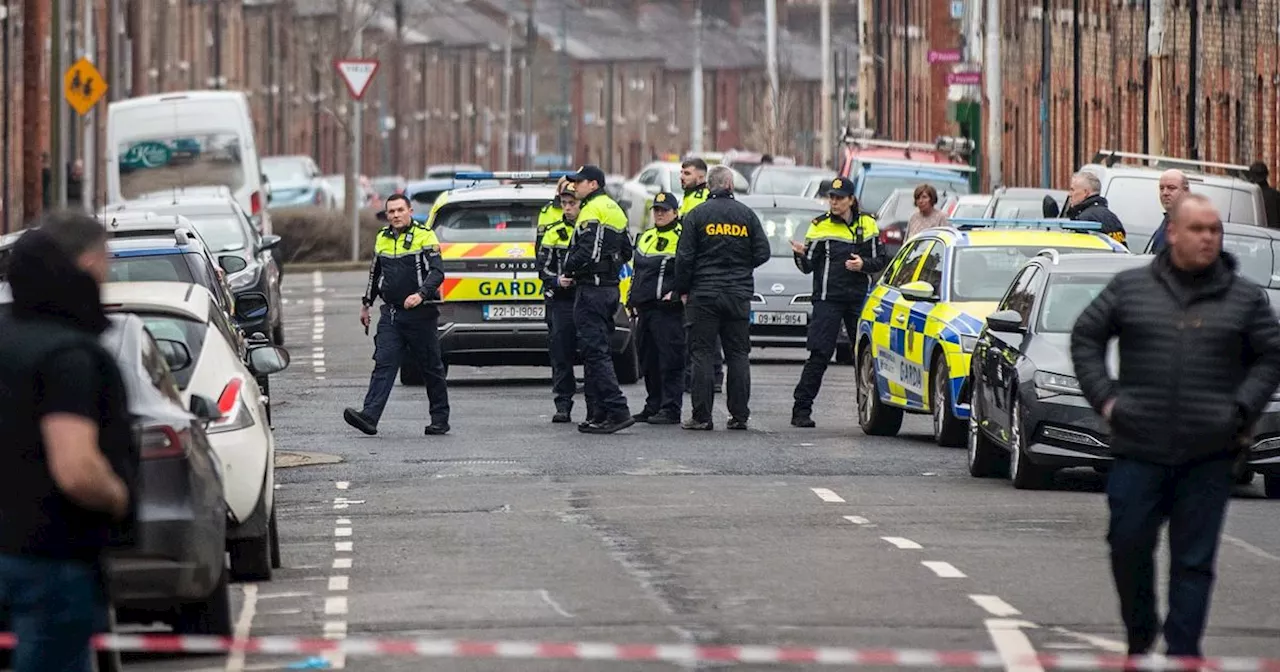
<point>1028,417</point>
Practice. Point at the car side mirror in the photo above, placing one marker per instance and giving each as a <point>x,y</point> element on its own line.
<point>652,189</point>
<point>232,263</point>
<point>176,354</point>
<point>1006,322</point>
<point>265,360</point>
<point>204,408</point>
<point>918,291</point>
<point>1050,208</point>
<point>268,243</point>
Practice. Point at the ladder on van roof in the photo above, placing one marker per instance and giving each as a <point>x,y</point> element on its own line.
<point>1110,157</point>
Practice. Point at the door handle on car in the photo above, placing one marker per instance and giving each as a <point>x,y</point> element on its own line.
<point>899,318</point>
<point>878,309</point>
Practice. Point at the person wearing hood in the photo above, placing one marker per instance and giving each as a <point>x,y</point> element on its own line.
<point>70,464</point>
<point>1086,204</point>
<point>1201,353</point>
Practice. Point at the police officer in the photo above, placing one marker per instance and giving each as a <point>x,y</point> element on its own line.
<point>693,180</point>
<point>660,315</point>
<point>842,250</point>
<point>407,273</point>
<point>721,244</point>
<point>562,335</point>
<point>599,248</point>
<point>551,214</point>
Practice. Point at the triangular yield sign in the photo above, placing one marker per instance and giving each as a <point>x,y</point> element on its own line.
<point>357,73</point>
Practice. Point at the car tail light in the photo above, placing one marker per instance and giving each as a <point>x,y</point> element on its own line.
<point>233,409</point>
<point>891,236</point>
<point>161,442</point>
<point>255,203</point>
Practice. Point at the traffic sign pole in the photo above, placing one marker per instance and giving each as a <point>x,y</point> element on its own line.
<point>357,73</point>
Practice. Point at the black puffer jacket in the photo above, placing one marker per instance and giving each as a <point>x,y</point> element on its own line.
<point>721,245</point>
<point>1095,209</point>
<point>1199,360</point>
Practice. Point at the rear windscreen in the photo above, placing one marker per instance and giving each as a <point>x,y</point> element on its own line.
<point>187,332</point>
<point>495,222</point>
<point>172,161</point>
<point>155,268</point>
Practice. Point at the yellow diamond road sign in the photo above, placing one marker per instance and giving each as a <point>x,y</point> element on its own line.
<point>83,86</point>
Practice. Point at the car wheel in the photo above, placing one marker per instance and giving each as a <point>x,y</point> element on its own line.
<point>1271,486</point>
<point>211,617</point>
<point>986,459</point>
<point>1024,474</point>
<point>874,417</point>
<point>626,364</point>
<point>251,558</point>
<point>948,430</point>
<point>275,541</point>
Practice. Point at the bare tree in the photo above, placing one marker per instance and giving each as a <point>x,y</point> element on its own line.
<point>777,130</point>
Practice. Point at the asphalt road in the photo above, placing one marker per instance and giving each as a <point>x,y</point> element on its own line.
<point>514,528</point>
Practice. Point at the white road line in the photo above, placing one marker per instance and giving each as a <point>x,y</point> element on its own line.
<point>343,485</point>
<point>341,531</point>
<point>555,606</point>
<point>317,279</point>
<point>342,547</point>
<point>317,349</point>
<point>944,570</point>
<point>342,521</point>
<point>903,543</point>
<point>827,495</point>
<point>319,377</point>
<point>1108,645</point>
<point>339,583</point>
<point>279,596</point>
<point>1251,548</point>
<point>1012,644</point>
<point>995,606</point>
<point>335,629</point>
<point>857,520</point>
<point>335,606</point>
<point>244,626</point>
<point>321,369</point>
<point>342,563</point>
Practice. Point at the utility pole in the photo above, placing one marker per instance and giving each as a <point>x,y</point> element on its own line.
<point>696,122</point>
<point>995,99</point>
<point>272,91</point>
<point>88,190</point>
<point>6,197</point>
<point>531,48</point>
<point>357,146</point>
<point>771,55</point>
<point>827,134</point>
<point>57,108</point>
<point>33,14</point>
<point>397,73</point>
<point>1046,145</point>
<point>115,51</point>
<point>565,113</point>
<point>217,44</point>
<point>504,152</point>
<point>866,78</point>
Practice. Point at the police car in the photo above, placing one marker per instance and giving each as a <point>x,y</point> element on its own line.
<point>493,312</point>
<point>921,322</point>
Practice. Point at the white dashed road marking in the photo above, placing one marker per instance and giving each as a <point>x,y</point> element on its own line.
<point>244,626</point>
<point>827,495</point>
<point>342,563</point>
<point>1012,644</point>
<point>857,520</point>
<point>995,606</point>
<point>338,583</point>
<point>903,543</point>
<point>944,570</point>
<point>342,546</point>
<point>336,605</point>
<point>342,485</point>
<point>317,330</point>
<point>341,531</point>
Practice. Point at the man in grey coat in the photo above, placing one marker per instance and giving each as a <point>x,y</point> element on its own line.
<point>1199,360</point>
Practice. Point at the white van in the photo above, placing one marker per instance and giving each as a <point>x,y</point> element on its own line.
<point>186,139</point>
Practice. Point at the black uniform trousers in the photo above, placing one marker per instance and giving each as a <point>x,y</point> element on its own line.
<point>562,348</point>
<point>725,317</point>
<point>661,341</point>
<point>594,311</point>
<point>411,332</point>
<point>718,362</point>
<point>824,332</point>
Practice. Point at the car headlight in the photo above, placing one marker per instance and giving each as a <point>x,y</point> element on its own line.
<point>1050,384</point>
<point>244,279</point>
<point>968,343</point>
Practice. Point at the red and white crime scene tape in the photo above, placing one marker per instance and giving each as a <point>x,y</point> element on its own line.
<point>667,653</point>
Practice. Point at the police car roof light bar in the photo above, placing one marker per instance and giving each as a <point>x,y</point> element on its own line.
<point>969,224</point>
<point>515,176</point>
<point>1110,157</point>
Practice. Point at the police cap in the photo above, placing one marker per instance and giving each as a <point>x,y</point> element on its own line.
<point>569,190</point>
<point>665,200</point>
<point>841,186</point>
<point>592,173</point>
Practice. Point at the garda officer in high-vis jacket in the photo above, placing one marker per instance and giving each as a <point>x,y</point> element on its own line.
<point>552,213</point>
<point>406,273</point>
<point>562,335</point>
<point>600,247</point>
<point>659,315</point>
<point>842,250</point>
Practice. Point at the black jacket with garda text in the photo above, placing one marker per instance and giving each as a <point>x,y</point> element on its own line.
<point>1199,360</point>
<point>722,244</point>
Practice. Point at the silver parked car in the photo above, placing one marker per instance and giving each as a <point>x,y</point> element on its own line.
<point>780,309</point>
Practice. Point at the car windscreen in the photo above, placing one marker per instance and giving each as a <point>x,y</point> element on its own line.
<point>785,181</point>
<point>1136,201</point>
<point>784,225</point>
<point>488,222</point>
<point>284,170</point>
<point>426,197</point>
<point>897,208</point>
<point>1065,297</point>
<point>166,162</point>
<point>876,188</point>
<point>187,332</point>
<point>984,273</point>
<point>221,233</point>
<point>150,268</point>
<point>1255,256</point>
<point>970,211</point>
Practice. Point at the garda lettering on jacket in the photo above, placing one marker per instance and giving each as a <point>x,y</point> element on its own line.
<point>735,230</point>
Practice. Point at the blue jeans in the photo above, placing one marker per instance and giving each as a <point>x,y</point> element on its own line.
<point>1193,498</point>
<point>55,607</point>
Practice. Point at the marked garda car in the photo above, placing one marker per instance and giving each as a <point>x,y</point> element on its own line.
<point>921,322</point>
<point>492,311</point>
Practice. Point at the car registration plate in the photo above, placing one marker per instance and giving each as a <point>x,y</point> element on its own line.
<point>782,319</point>
<point>514,311</point>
